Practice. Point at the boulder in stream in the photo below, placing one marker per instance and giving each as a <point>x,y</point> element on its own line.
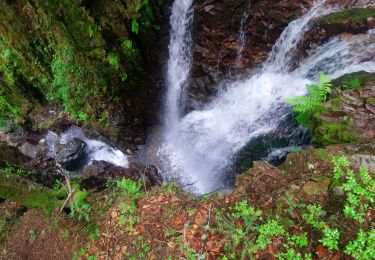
<point>73,154</point>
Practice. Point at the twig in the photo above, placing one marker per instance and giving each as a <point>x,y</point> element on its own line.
<point>68,187</point>
<point>70,193</point>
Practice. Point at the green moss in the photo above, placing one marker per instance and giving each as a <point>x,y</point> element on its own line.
<point>355,80</point>
<point>27,193</point>
<point>334,133</point>
<point>326,126</point>
<point>370,101</point>
<point>57,51</point>
<point>322,154</point>
<point>352,15</point>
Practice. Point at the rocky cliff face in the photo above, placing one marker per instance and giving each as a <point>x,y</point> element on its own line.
<point>96,60</point>
<point>217,26</point>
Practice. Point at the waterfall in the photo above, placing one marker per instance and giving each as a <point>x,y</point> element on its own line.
<point>179,62</point>
<point>199,146</point>
<point>242,34</point>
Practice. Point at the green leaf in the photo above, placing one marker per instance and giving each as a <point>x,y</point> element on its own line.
<point>135,26</point>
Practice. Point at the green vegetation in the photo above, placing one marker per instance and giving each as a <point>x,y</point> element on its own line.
<point>130,191</point>
<point>27,193</point>
<point>79,207</point>
<point>60,51</point>
<point>360,189</point>
<point>333,133</point>
<point>316,95</point>
<point>322,117</point>
<point>352,15</point>
<point>363,247</point>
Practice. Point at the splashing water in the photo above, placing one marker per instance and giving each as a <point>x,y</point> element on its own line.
<point>179,62</point>
<point>199,147</point>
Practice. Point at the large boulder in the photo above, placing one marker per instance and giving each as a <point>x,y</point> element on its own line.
<point>96,175</point>
<point>72,155</point>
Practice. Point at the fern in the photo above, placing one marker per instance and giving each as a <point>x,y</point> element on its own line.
<point>316,95</point>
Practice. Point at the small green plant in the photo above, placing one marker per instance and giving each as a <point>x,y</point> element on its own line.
<point>316,95</point>
<point>360,188</point>
<point>80,211</point>
<point>353,83</point>
<point>244,212</point>
<point>141,247</point>
<point>313,216</point>
<point>330,238</point>
<point>129,187</point>
<point>64,234</point>
<point>338,163</point>
<point>132,191</point>
<point>9,64</point>
<point>363,247</point>
<point>114,60</point>
<point>238,236</point>
<point>135,26</point>
<point>296,149</point>
<point>267,231</point>
<point>298,240</point>
<point>291,254</point>
<point>80,208</point>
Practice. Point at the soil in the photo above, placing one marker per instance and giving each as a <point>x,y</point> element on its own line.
<point>36,236</point>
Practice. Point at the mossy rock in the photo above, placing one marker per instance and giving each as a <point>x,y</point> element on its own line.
<point>66,52</point>
<point>27,193</point>
<point>354,80</point>
<point>351,15</point>
<point>328,132</point>
<point>347,116</point>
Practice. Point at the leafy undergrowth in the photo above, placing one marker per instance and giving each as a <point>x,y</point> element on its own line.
<point>295,220</point>
<point>167,223</point>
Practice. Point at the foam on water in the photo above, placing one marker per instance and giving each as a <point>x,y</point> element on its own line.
<point>97,150</point>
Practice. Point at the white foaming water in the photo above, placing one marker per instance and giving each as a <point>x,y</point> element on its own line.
<point>97,150</point>
<point>179,62</point>
<point>199,146</point>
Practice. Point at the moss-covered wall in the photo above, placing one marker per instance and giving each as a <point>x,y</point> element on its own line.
<point>82,55</point>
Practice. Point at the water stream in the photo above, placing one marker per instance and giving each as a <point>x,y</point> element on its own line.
<point>242,34</point>
<point>198,147</point>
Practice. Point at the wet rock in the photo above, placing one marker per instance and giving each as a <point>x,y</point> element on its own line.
<point>338,191</point>
<point>216,28</point>
<point>351,21</point>
<point>73,154</point>
<point>29,150</point>
<point>317,188</point>
<point>11,156</point>
<point>363,160</point>
<point>96,175</point>
<point>272,147</point>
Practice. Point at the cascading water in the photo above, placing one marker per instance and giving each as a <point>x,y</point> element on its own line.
<point>242,34</point>
<point>179,62</point>
<point>199,147</point>
<point>97,150</point>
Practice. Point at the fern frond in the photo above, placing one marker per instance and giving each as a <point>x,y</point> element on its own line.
<point>316,95</point>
